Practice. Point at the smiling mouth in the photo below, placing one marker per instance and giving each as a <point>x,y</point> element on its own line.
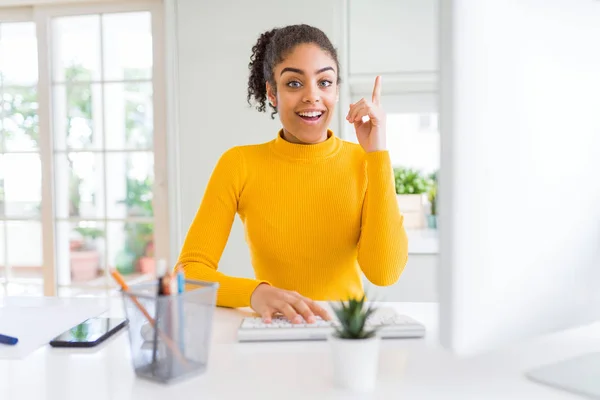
<point>311,116</point>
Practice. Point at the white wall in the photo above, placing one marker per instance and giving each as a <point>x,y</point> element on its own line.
<point>214,47</point>
<point>392,36</point>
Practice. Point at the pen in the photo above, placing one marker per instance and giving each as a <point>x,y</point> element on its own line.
<point>4,339</point>
<point>160,293</point>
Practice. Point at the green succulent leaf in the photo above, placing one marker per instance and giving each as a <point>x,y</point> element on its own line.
<point>352,316</point>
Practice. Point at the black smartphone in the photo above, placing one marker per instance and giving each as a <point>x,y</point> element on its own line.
<point>89,333</point>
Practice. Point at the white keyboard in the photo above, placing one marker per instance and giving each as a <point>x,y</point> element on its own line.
<point>389,323</point>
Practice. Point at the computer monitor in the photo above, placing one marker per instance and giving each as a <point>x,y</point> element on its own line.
<point>519,195</point>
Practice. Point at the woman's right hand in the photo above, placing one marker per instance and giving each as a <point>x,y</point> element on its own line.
<point>268,300</point>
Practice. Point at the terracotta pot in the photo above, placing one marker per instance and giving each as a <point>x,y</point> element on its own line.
<point>147,266</point>
<point>85,265</point>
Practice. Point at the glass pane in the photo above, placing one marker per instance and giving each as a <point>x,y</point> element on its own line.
<point>18,54</point>
<point>1,121</point>
<point>77,115</point>
<point>20,118</point>
<point>129,116</point>
<point>79,185</point>
<point>129,191</point>
<point>24,241</point>
<point>2,191</point>
<point>76,53</point>
<point>2,251</point>
<point>414,141</point>
<point>127,45</point>
<point>22,184</point>
<point>81,247</point>
<point>131,247</point>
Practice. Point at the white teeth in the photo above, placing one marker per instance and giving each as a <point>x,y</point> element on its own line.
<point>311,114</point>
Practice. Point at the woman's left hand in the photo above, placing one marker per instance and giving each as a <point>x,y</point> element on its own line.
<point>370,134</point>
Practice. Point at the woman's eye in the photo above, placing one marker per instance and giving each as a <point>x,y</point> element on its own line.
<point>294,84</point>
<point>326,83</point>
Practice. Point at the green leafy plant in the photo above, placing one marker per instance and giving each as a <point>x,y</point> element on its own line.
<point>20,107</point>
<point>89,235</point>
<point>140,235</point>
<point>432,192</point>
<point>409,181</point>
<point>352,316</point>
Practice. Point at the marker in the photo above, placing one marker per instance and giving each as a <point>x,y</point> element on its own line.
<point>180,288</point>
<point>8,340</point>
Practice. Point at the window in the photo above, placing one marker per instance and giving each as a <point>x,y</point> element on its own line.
<point>20,161</point>
<point>77,188</point>
<point>413,141</point>
<point>413,138</point>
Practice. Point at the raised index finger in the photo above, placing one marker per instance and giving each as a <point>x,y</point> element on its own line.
<point>377,90</point>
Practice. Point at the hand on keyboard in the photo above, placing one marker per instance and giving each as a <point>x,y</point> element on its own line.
<point>387,321</point>
<point>268,300</point>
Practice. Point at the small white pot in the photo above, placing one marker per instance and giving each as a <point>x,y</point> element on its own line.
<point>355,362</point>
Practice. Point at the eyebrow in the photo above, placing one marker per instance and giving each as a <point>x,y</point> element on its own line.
<point>299,71</point>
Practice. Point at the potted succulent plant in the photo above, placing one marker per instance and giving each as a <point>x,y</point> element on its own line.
<point>355,348</point>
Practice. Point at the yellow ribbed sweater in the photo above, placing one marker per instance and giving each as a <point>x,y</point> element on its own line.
<point>315,216</point>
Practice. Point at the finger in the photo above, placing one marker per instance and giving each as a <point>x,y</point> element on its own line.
<point>377,91</point>
<point>353,108</point>
<point>360,112</point>
<point>304,310</point>
<point>376,117</point>
<point>318,310</point>
<point>288,311</point>
<point>352,113</point>
<point>267,316</point>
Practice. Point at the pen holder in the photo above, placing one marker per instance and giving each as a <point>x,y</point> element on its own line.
<point>170,334</point>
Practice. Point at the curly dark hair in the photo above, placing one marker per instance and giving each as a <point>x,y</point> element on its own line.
<point>271,48</point>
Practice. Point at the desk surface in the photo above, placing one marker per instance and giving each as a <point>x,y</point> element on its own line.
<point>408,368</point>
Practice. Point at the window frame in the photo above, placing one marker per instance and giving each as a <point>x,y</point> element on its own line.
<point>41,13</point>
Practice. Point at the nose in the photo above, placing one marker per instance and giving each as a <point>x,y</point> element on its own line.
<point>311,94</point>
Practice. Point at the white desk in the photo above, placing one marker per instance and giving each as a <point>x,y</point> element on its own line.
<point>409,369</point>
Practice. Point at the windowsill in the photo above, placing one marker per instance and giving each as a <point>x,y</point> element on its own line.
<point>423,241</point>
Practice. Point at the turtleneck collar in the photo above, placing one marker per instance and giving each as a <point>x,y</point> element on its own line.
<point>308,152</point>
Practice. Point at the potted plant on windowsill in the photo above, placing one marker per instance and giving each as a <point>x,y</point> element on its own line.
<point>84,257</point>
<point>411,187</point>
<point>432,197</point>
<point>137,254</point>
<point>355,348</point>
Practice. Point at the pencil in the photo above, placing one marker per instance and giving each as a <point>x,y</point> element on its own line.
<point>117,277</point>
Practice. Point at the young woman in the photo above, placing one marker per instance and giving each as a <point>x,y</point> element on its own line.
<point>317,210</point>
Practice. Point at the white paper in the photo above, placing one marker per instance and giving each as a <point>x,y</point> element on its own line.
<point>36,321</point>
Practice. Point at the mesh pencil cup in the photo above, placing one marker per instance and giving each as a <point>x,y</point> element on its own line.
<point>170,335</point>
